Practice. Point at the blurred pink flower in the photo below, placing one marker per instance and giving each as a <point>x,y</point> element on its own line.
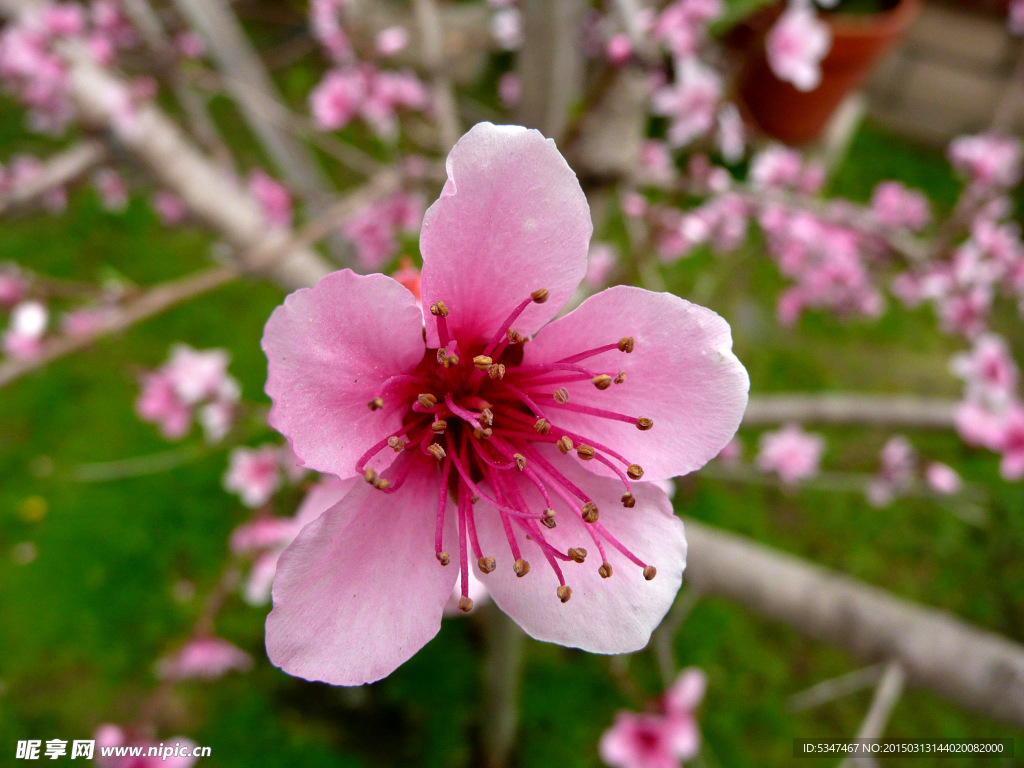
<point>619,49</point>
<point>338,98</point>
<point>23,337</point>
<point>690,103</point>
<point>988,370</point>
<point>12,288</point>
<point>190,44</point>
<point>108,735</point>
<point>200,374</point>
<point>169,207</point>
<point>273,197</point>
<point>942,478</point>
<point>509,89</point>
<point>791,453</point>
<point>682,25</point>
<point>489,281</point>
<point>796,45</point>
<point>898,466</point>
<point>158,403</point>
<point>112,189</point>
<point>254,474</point>
<point>989,161</point>
<point>204,658</point>
<point>978,424</point>
<point>601,262</point>
<point>392,40</point>
<point>1015,19</point>
<point>1011,445</point>
<point>896,206</point>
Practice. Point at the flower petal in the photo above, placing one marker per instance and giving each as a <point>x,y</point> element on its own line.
<point>329,349</point>
<point>359,590</point>
<point>682,374</point>
<point>614,615</point>
<point>511,219</point>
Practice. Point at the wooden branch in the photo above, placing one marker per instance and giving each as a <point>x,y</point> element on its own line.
<point>429,20</point>
<point>235,56</point>
<point>976,669</point>
<point>59,170</point>
<point>903,411</point>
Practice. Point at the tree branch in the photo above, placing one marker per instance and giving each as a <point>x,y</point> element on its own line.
<point>63,168</point>
<point>876,410</point>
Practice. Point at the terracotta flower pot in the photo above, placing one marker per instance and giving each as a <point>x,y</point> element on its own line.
<point>858,42</point>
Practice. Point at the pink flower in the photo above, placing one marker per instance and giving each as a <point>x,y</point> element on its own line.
<point>204,658</point>
<point>1011,444</point>
<point>690,103</point>
<point>338,98</point>
<point>112,189</point>
<point>899,462</point>
<point>796,45</point>
<point>619,49</point>
<point>509,89</point>
<point>895,206</point>
<point>409,276</point>
<point>273,198</point>
<point>392,40</point>
<point>159,404</point>
<point>86,321</point>
<point>507,28</point>
<point>991,162</point>
<point>977,424</point>
<point>731,138</point>
<point>988,370</point>
<point>791,453</point>
<point>942,478</point>
<point>732,452</point>
<point>12,288</point>
<point>1015,20</point>
<point>658,740</point>
<point>24,336</point>
<point>601,262</point>
<point>254,474</point>
<point>458,404</point>
<point>169,207</point>
<point>112,736</point>
<point>200,375</point>
<point>682,25</point>
<point>375,227</point>
<point>190,44</point>
<point>656,162</point>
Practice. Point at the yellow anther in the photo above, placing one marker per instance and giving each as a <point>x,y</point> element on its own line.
<point>564,593</point>
<point>376,404</point>
<point>482,362</point>
<point>486,564</point>
<point>590,512</point>
<point>602,381</point>
<point>578,554</point>
<point>605,570</point>
<point>436,451</point>
<point>561,395</point>
<point>542,426</point>
<point>465,604</point>
<point>626,344</point>
<point>521,567</point>
<point>635,471</point>
<point>427,400</point>
<point>540,295</point>
<point>520,461</point>
<point>628,500</point>
<point>442,558</point>
<point>438,309</point>
<point>496,372</point>
<point>650,572</point>
<point>643,424</point>
<point>585,452</point>
<point>439,426</point>
<point>564,444</point>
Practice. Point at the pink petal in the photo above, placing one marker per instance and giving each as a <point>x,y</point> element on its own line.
<point>511,219</point>
<point>359,590</point>
<point>614,615</point>
<point>682,374</point>
<point>329,349</point>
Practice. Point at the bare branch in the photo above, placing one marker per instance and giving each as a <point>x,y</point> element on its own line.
<point>61,169</point>
<point>836,687</point>
<point>429,21</point>
<point>979,670</point>
<point>877,410</point>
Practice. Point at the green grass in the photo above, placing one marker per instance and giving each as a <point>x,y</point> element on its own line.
<point>83,623</point>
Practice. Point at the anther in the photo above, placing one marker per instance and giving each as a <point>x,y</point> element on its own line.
<point>540,295</point>
<point>514,336</point>
<point>482,362</point>
<point>427,400</point>
<point>628,500</point>
<point>486,564</point>
<point>650,572</point>
<point>605,570</point>
<point>370,475</point>
<point>548,518</point>
<point>602,381</point>
<point>450,361</point>
<point>621,377</point>
<point>496,372</point>
<point>486,417</point>
<point>396,443</point>
<point>578,554</point>
<point>590,512</point>
<point>376,404</point>
<point>381,484</point>
<point>482,434</point>
<point>521,567</point>
<point>438,427</point>
<point>439,309</point>
<point>585,452</point>
<point>626,344</point>
<point>635,471</point>
<point>564,593</point>
<point>436,451</point>
<point>643,424</point>
<point>564,444</point>
<point>561,395</point>
<point>542,426</point>
<point>465,604</point>
<point>520,461</point>
<point>442,558</point>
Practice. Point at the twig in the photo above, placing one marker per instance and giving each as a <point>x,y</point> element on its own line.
<point>137,466</point>
<point>665,635</point>
<point>838,408</point>
<point>59,170</point>
<point>835,688</point>
<point>889,690</point>
<point>503,661</point>
<point>429,21</point>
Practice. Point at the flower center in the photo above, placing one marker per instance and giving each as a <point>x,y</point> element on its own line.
<point>477,411</point>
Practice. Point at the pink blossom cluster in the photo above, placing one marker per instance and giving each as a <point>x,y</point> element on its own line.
<point>662,738</point>
<point>989,161</point>
<point>375,228</point>
<point>29,320</point>
<point>110,735</point>
<point>796,45</point>
<point>273,198</point>
<point>353,88</point>
<point>901,469</point>
<point>204,658</point>
<point>896,207</point>
<point>791,453</point>
<point>31,68</point>
<point>682,26</point>
<point>992,413</point>
<point>256,474</point>
<point>191,385</point>
<point>24,170</point>
<point>781,169</point>
<point>690,102</point>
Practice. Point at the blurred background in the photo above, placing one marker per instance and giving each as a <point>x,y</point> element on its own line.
<point>114,539</point>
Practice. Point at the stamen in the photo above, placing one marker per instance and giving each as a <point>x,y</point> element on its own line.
<point>443,558</point>
<point>540,295</point>
<point>620,378</point>
<point>370,475</point>
<point>628,500</point>
<point>442,503</point>
<point>515,337</point>
<point>438,309</point>
<point>439,426</point>
<point>626,344</point>
<point>482,434</point>
<point>521,567</point>
<point>585,452</point>
<point>564,593</point>
<point>486,564</point>
<point>590,512</point>
<point>507,326</point>
<point>542,426</point>
<point>440,312</point>
<point>548,518</point>
<point>496,372</point>
<point>561,395</point>
<point>486,417</point>
<point>643,424</point>
<point>436,451</point>
<point>605,570</point>
<point>590,353</point>
<point>602,382</point>
<point>520,461</point>
<point>376,404</point>
<point>482,362</point>
<point>650,572</point>
<point>578,554</point>
<point>427,400</point>
<point>635,471</point>
<point>597,412</point>
<point>465,604</point>
<point>396,444</point>
<point>564,444</point>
